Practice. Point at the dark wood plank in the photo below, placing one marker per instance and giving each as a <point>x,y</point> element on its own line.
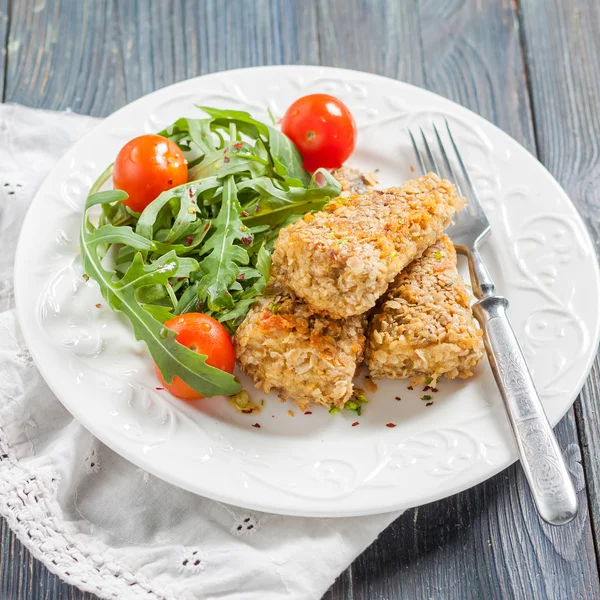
<point>64,54</point>
<point>199,38</point>
<point>487,542</point>
<point>564,74</point>
<point>366,35</point>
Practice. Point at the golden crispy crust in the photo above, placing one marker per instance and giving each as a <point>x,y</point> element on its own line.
<point>423,327</point>
<point>284,347</point>
<point>353,181</point>
<point>342,259</point>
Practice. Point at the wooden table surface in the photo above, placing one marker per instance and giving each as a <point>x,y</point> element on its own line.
<point>530,66</point>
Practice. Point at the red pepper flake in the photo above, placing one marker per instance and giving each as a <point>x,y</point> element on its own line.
<point>257,207</point>
<point>170,182</point>
<point>206,226</point>
<point>398,398</point>
<point>192,191</point>
<point>241,277</point>
<point>248,411</point>
<point>160,389</point>
<point>226,151</point>
<point>199,305</point>
<point>238,145</point>
<point>170,283</point>
<point>257,425</point>
<point>246,240</point>
<point>355,423</point>
<point>226,159</point>
<point>98,305</point>
<point>426,388</point>
<point>245,213</point>
<point>390,424</point>
<point>434,390</point>
<point>412,169</point>
<point>308,412</point>
<point>188,240</point>
<point>428,403</point>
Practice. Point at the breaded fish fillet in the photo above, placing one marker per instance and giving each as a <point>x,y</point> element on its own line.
<point>284,347</point>
<point>342,259</point>
<point>353,180</point>
<point>424,327</point>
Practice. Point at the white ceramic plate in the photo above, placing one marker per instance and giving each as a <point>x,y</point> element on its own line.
<point>319,464</point>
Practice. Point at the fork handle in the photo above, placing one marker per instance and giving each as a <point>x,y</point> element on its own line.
<point>541,457</point>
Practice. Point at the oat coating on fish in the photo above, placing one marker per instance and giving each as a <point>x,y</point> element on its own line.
<point>342,259</point>
<point>424,328</point>
<point>284,347</point>
<point>352,180</point>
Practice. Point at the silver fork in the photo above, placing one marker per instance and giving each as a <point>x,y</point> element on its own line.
<point>542,460</point>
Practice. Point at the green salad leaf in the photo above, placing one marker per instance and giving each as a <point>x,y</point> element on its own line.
<point>204,246</point>
<point>171,357</point>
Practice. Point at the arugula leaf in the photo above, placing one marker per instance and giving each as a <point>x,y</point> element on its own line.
<point>184,131</point>
<point>160,313</point>
<point>286,158</point>
<point>108,196</point>
<point>222,265</point>
<point>242,119</point>
<point>222,164</point>
<point>109,234</point>
<point>263,265</point>
<point>275,203</point>
<point>171,357</point>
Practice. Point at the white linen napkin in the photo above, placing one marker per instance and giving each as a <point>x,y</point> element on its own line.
<point>95,519</point>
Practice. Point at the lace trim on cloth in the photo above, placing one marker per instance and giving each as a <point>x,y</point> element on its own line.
<point>28,502</point>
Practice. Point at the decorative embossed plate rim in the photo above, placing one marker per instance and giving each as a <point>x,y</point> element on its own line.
<point>315,465</point>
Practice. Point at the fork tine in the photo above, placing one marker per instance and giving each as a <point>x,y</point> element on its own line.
<point>417,153</point>
<point>451,174</point>
<point>465,173</point>
<point>434,165</point>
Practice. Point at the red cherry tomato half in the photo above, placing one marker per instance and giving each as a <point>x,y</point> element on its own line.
<point>323,130</point>
<point>203,335</point>
<point>147,166</point>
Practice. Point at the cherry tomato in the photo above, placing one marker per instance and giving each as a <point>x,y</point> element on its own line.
<point>323,130</point>
<point>147,166</point>
<point>204,335</point>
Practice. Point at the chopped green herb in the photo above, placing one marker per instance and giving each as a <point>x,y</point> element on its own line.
<point>438,255</point>
<point>243,402</point>
<point>426,397</point>
<point>356,401</point>
<point>429,381</point>
<point>333,410</point>
<point>274,308</point>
